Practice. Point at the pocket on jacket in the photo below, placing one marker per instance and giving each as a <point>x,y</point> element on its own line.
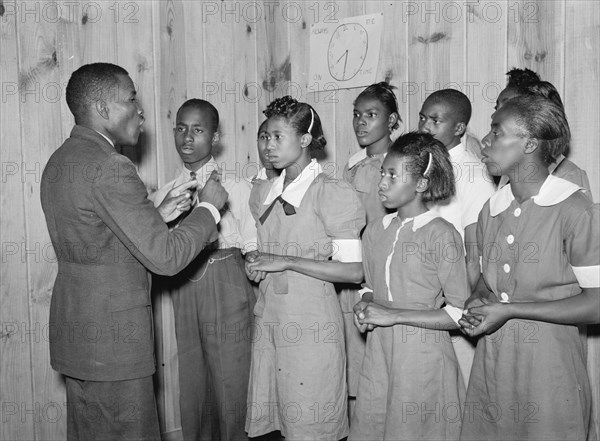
<point>131,325</point>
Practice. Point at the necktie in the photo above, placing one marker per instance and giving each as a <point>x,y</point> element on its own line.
<point>288,209</point>
<point>185,214</point>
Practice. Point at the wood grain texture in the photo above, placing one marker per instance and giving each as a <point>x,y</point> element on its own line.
<point>436,52</point>
<point>169,52</point>
<point>135,52</point>
<point>41,128</point>
<point>581,83</point>
<point>393,62</point>
<point>536,38</point>
<point>485,60</point>
<point>345,139</point>
<point>178,49</point>
<point>245,108</point>
<point>171,85</point>
<point>15,347</point>
<point>221,85</point>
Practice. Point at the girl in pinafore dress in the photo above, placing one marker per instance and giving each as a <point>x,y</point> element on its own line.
<point>539,247</point>
<point>410,386</point>
<point>308,233</point>
<point>375,115</point>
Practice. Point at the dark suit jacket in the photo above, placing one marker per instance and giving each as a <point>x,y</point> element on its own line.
<point>106,235</point>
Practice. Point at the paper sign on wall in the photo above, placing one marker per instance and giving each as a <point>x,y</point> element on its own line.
<point>345,54</point>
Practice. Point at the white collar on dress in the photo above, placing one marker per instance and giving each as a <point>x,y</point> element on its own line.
<point>356,158</point>
<point>203,173</point>
<point>295,191</point>
<point>418,221</point>
<point>359,156</point>
<point>553,191</point>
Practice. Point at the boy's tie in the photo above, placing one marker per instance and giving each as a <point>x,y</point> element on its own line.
<point>185,214</point>
<point>288,209</point>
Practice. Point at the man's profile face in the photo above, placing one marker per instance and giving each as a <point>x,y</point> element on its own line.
<point>125,116</point>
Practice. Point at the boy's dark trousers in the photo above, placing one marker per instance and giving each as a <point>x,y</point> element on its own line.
<point>214,312</point>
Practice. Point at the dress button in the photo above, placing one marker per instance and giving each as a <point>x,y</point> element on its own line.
<point>517,212</point>
<point>504,297</point>
<point>510,239</point>
<point>506,268</point>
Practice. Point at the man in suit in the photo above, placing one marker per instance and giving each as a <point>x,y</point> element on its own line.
<point>107,235</point>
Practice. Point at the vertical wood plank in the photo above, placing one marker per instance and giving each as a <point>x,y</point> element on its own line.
<point>135,54</point>
<point>98,31</point>
<point>15,346</point>
<point>273,57</point>
<point>171,92</point>
<point>582,85</point>
<point>171,65</point>
<point>40,55</point>
<point>582,88</point>
<point>436,55</point>
<point>324,102</point>
<point>393,65</point>
<point>536,38</point>
<point>246,81</point>
<point>195,15</point>
<point>345,140</point>
<point>220,86</point>
<point>486,68</point>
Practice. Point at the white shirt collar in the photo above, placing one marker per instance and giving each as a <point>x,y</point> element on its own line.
<point>262,175</point>
<point>105,137</point>
<point>418,221</point>
<point>203,173</point>
<point>295,191</point>
<point>456,150</point>
<point>553,191</point>
<point>359,156</point>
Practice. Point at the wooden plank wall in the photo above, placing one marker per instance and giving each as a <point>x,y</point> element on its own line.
<point>239,55</point>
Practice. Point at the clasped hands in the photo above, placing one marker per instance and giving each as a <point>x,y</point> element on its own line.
<point>259,264</point>
<point>481,315</point>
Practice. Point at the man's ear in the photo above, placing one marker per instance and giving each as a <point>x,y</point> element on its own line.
<point>305,140</point>
<point>102,108</point>
<point>532,145</point>
<point>422,184</point>
<point>392,120</point>
<point>215,138</point>
<point>460,128</point>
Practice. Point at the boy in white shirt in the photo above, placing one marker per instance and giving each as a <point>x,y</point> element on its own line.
<point>212,298</point>
<point>445,114</point>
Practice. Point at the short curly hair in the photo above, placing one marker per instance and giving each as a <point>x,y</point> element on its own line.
<point>521,78</point>
<point>384,92</point>
<point>90,83</point>
<point>299,116</point>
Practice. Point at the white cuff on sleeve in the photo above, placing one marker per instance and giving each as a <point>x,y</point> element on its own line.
<point>249,245</point>
<point>346,250</point>
<point>364,290</point>
<point>454,312</point>
<point>213,210</point>
<point>587,276</point>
